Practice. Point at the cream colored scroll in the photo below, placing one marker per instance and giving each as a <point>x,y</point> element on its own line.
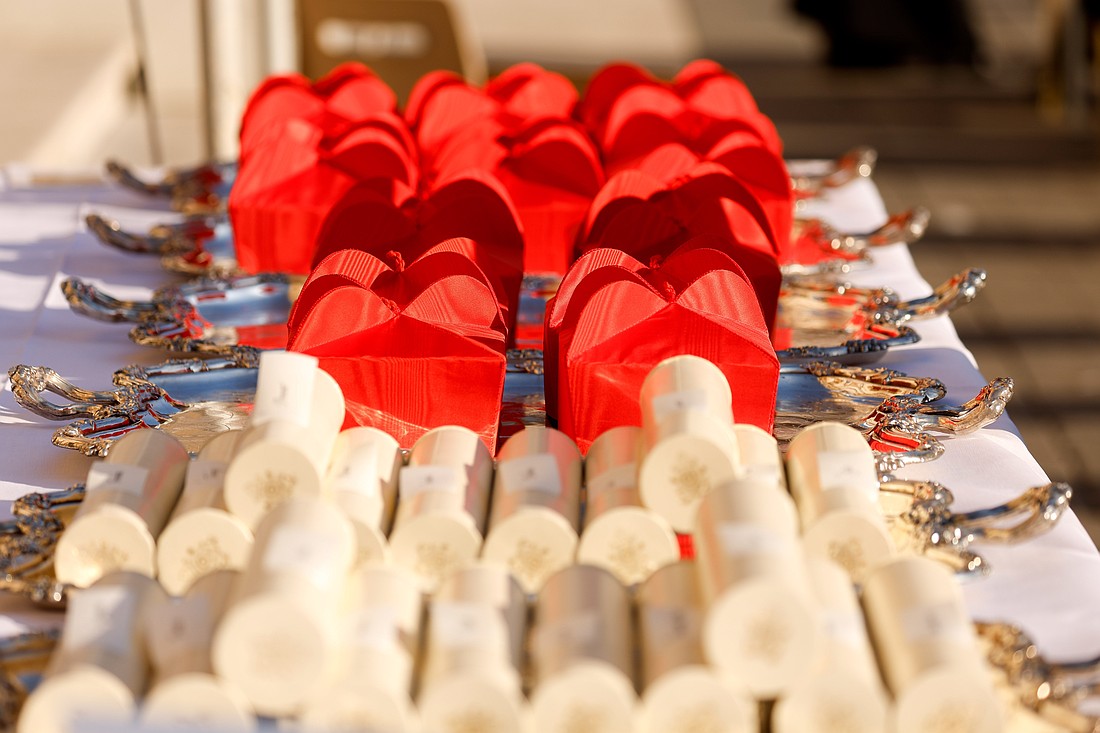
<point>468,673</point>
<point>99,668</point>
<point>379,641</point>
<point>845,685</point>
<point>761,624</point>
<point>178,634</point>
<point>832,475</point>
<point>927,648</point>
<point>279,642</point>
<point>619,533</point>
<point>362,480</point>
<point>535,516</point>
<point>202,537</point>
<point>685,382</point>
<point>442,505</point>
<point>288,444</point>
<point>130,496</point>
<point>681,692</point>
<point>582,654</point>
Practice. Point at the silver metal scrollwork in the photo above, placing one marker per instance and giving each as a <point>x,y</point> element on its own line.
<point>23,658</point>
<point>856,163</point>
<point>926,524</point>
<point>1053,691</point>
<point>201,189</point>
<point>201,245</point>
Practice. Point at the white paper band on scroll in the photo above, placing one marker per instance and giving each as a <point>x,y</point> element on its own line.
<point>620,534</point>
<point>444,495</point>
<point>691,453</point>
<point>468,673</point>
<point>202,537</point>
<point>98,669</point>
<point>582,653</point>
<point>927,647</point>
<point>494,586</point>
<point>278,642</point>
<point>178,633</point>
<point>284,388</point>
<point>679,689</point>
<point>276,460</point>
<point>685,382</point>
<point>827,456</point>
<point>362,479</point>
<point>761,626</point>
<point>118,522</point>
<point>536,505</point>
<point>759,456</point>
<point>379,638</point>
<point>846,685</point>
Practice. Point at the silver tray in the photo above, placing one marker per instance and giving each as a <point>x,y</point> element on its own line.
<point>205,316</point>
<point>859,162</point>
<point>825,321</point>
<point>198,245</point>
<point>198,190</point>
<point>203,245</point>
<point>195,398</point>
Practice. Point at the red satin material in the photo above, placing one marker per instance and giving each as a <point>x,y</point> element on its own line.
<point>641,215</point>
<point>282,195</point>
<point>380,216</point>
<point>704,102</point>
<point>614,319</point>
<point>519,129</point>
<point>349,93</point>
<point>412,348</point>
<point>416,232</point>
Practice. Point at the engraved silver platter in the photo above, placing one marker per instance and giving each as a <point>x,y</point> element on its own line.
<point>210,315</point>
<point>223,315</point>
<point>198,190</point>
<point>198,245</point>
<point>196,398</point>
<point>203,245</point>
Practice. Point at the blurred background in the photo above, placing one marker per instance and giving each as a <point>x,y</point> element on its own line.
<point>982,110</point>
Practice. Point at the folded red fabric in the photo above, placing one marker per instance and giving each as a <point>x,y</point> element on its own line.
<point>613,319</point>
<point>624,105</point>
<point>348,94</point>
<point>282,195</point>
<point>412,348</point>
<point>648,218</point>
<point>383,215</point>
<point>518,128</point>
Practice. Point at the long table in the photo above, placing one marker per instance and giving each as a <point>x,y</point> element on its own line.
<point>1049,586</point>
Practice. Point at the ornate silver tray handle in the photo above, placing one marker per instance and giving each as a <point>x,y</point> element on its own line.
<point>201,245</point>
<point>1055,692</point>
<point>200,189</point>
<point>236,300</point>
<point>23,659</point>
<point>192,399</point>
<point>820,321</point>
<point>859,162</point>
<point>921,520</point>
<point>839,252</point>
<point>837,321</point>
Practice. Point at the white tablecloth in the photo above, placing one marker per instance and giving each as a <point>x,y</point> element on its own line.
<point>1049,586</point>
